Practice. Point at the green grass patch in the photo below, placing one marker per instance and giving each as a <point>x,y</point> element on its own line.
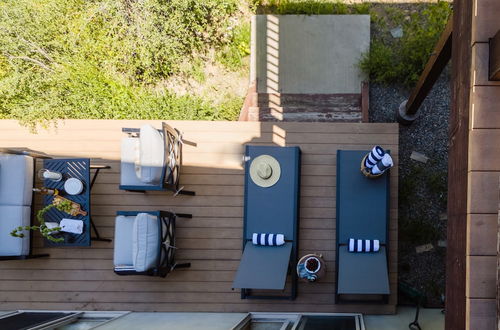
<point>232,54</point>
<point>107,59</point>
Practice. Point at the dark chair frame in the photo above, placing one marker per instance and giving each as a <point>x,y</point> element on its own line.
<point>339,298</point>
<point>166,254</point>
<point>247,293</point>
<point>35,155</point>
<point>172,141</point>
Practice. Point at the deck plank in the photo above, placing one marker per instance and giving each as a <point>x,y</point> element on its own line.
<point>82,278</point>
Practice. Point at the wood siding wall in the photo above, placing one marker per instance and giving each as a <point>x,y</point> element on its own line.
<point>483,168</point>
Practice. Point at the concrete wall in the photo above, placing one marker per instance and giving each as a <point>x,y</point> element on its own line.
<point>309,54</point>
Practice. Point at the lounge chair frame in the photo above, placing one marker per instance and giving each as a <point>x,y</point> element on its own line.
<point>292,264</point>
<point>339,297</point>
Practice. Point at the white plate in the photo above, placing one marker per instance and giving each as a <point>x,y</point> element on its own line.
<point>73,186</point>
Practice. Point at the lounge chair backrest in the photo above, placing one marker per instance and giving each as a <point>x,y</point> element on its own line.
<point>362,203</point>
<point>268,211</point>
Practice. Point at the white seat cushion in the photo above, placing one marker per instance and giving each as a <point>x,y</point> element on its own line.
<point>16,179</point>
<point>122,255</point>
<point>129,157</point>
<point>12,217</point>
<point>145,242</point>
<point>151,155</point>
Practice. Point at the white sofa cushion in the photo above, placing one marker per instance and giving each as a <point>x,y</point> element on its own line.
<point>16,179</point>
<point>122,255</point>
<point>145,242</point>
<point>12,217</point>
<point>151,155</point>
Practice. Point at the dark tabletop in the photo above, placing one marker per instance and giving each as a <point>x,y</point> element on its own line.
<point>78,168</point>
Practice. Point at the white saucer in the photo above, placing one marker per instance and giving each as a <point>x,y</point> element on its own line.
<point>73,186</point>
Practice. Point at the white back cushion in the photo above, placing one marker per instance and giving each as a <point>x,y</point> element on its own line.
<point>145,242</point>
<point>12,217</point>
<point>151,155</point>
<point>16,179</point>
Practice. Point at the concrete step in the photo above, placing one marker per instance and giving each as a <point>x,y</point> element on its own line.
<point>330,114</point>
<point>309,100</point>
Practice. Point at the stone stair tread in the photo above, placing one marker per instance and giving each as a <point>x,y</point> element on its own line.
<point>292,100</point>
<point>311,109</point>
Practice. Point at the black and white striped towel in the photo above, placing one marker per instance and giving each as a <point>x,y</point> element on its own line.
<point>268,239</point>
<point>363,245</point>
<point>374,156</point>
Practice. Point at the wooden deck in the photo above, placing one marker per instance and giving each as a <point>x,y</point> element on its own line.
<point>82,278</point>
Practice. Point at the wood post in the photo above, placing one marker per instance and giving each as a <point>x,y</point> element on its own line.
<point>441,55</point>
<point>365,101</point>
<point>455,317</point>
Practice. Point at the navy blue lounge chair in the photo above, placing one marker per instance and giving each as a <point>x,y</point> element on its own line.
<point>273,209</point>
<point>362,213</point>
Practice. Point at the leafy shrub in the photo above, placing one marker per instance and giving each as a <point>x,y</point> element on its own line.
<point>402,60</point>
<point>105,59</point>
<point>309,7</point>
<point>232,54</point>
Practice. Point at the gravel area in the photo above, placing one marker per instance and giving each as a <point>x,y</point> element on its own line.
<point>422,187</point>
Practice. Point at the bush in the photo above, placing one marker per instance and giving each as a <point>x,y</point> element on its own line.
<point>309,7</point>
<point>402,60</point>
<point>232,54</point>
<point>105,59</point>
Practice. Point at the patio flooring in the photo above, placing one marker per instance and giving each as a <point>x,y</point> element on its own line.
<point>83,279</point>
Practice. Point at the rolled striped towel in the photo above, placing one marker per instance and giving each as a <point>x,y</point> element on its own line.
<point>268,239</point>
<point>364,245</point>
<point>374,156</point>
<point>383,165</point>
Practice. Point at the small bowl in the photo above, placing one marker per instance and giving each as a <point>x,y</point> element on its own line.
<point>73,186</point>
<point>314,259</point>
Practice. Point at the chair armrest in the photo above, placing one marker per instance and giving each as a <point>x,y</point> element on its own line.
<point>24,152</point>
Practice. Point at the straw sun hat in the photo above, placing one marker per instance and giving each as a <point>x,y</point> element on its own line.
<point>265,171</point>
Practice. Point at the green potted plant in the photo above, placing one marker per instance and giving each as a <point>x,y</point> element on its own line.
<point>46,231</point>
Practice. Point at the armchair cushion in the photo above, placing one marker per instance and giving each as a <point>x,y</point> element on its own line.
<point>129,161</point>
<point>123,240</point>
<point>151,156</point>
<point>12,217</point>
<point>16,179</point>
<point>145,242</point>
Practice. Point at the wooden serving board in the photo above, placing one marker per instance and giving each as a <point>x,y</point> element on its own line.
<point>76,208</point>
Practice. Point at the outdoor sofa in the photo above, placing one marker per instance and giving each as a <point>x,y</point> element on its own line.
<point>16,201</point>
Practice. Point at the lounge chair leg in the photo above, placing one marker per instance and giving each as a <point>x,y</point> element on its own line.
<point>29,256</point>
<point>181,191</point>
<point>183,265</point>
<point>184,215</point>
